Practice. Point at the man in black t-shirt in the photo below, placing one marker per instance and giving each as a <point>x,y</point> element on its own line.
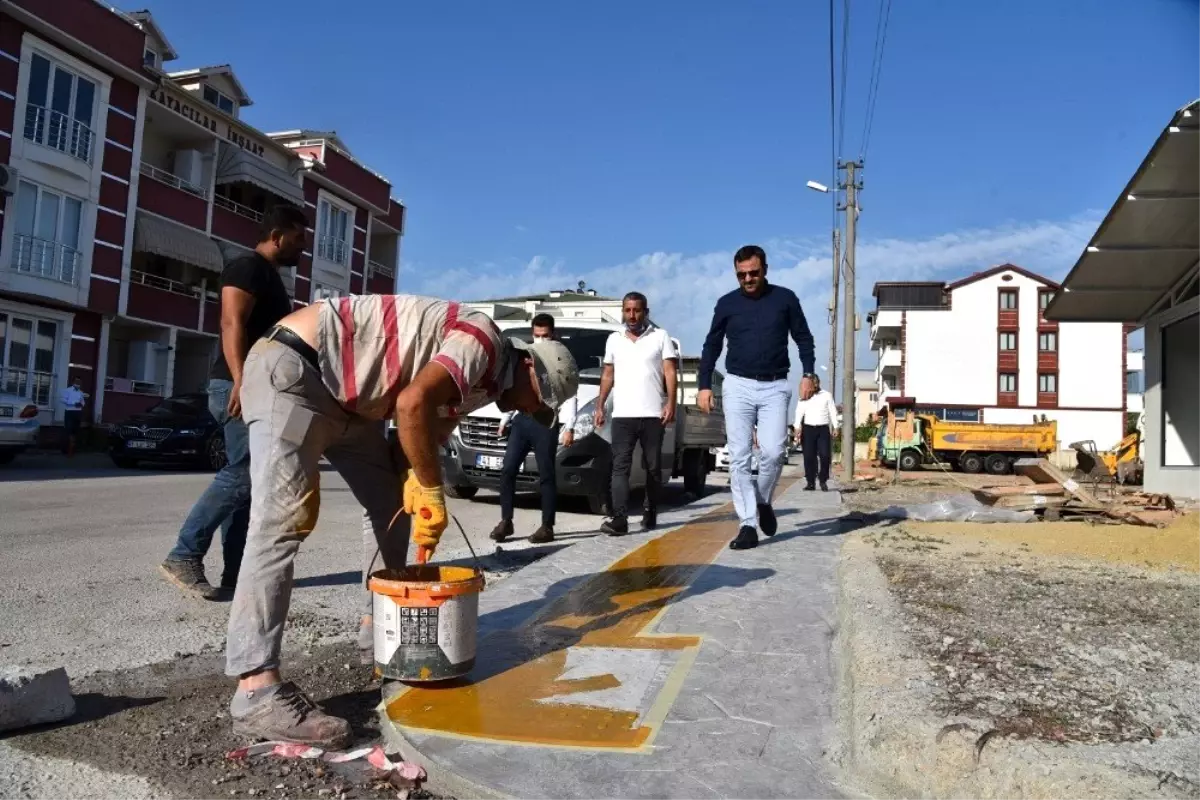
<point>253,299</point>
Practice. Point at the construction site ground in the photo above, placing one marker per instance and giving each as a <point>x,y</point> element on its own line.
<point>1019,659</point>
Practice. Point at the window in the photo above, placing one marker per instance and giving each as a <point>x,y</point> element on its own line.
<point>1048,342</point>
<point>1008,299</point>
<point>60,106</point>
<point>27,357</point>
<point>1008,383</point>
<point>333,228</point>
<point>1047,383</point>
<point>219,100</point>
<point>874,397</point>
<point>46,243</point>
<point>1008,341</point>
<point>322,292</point>
<point>1133,382</point>
<point>150,58</point>
<point>1044,299</point>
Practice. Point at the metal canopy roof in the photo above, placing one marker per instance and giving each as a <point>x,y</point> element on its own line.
<point>1147,248</point>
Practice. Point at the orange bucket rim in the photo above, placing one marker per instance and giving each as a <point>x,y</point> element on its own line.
<point>404,588</point>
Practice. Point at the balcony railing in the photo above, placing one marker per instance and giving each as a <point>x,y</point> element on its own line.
<point>45,259</point>
<point>237,208</point>
<point>37,387</point>
<point>58,131</point>
<point>332,249</point>
<point>162,176</point>
<point>166,284</point>
<point>375,268</point>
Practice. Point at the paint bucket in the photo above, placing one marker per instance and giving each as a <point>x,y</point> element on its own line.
<point>425,617</point>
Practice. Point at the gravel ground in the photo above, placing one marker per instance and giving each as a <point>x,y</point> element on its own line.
<point>1051,632</point>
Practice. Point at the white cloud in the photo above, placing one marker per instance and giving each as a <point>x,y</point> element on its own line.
<point>682,288</point>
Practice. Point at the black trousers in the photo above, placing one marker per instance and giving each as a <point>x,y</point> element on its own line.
<point>818,451</point>
<point>525,434</point>
<point>627,433</point>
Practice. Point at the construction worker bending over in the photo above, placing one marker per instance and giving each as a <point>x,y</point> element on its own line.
<point>318,384</point>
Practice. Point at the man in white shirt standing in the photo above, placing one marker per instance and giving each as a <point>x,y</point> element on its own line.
<point>640,373</point>
<point>815,421</point>
<point>73,399</point>
<point>542,432</point>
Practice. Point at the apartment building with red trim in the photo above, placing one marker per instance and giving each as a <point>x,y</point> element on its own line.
<point>132,179</point>
<point>981,350</point>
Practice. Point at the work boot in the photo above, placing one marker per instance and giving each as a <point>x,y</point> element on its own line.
<point>284,713</point>
<point>810,487</point>
<point>649,520</point>
<point>616,526</point>
<point>747,537</point>
<point>502,531</point>
<point>189,576</point>
<point>766,519</point>
<point>366,641</point>
<point>824,486</point>
<point>542,535</point>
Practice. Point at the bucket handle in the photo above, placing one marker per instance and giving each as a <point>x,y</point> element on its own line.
<point>423,554</point>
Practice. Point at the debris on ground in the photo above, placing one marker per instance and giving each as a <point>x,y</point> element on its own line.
<point>29,697</point>
<point>399,774</point>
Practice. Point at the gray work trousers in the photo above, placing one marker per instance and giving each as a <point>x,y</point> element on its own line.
<point>293,421</point>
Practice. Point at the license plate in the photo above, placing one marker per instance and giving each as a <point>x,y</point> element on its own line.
<point>490,462</point>
<point>7,411</point>
<point>140,445</point>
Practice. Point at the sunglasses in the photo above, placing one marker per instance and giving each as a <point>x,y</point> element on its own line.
<point>745,276</point>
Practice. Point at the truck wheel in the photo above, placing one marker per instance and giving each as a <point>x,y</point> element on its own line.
<point>910,460</point>
<point>998,464</point>
<point>695,472</point>
<point>462,492</point>
<point>971,463</point>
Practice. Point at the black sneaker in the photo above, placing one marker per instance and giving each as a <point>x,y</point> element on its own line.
<point>766,519</point>
<point>616,526</point>
<point>542,535</point>
<point>502,531</point>
<point>824,486</point>
<point>810,488</point>
<point>747,537</point>
<point>649,520</point>
<point>189,576</point>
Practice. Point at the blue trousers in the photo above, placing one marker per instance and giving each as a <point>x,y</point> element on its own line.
<point>225,503</point>
<point>525,434</point>
<point>751,404</point>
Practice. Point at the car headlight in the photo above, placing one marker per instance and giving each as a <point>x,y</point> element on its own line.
<point>585,421</point>
<point>189,431</point>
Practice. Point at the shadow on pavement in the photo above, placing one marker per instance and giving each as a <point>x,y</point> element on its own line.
<point>332,579</point>
<point>90,707</point>
<point>825,527</point>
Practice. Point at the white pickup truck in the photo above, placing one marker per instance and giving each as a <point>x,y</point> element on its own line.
<point>473,457</point>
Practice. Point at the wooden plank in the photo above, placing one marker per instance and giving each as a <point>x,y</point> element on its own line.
<point>1039,470</point>
<point>1036,488</point>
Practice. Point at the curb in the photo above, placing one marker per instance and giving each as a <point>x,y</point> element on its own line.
<point>891,745</point>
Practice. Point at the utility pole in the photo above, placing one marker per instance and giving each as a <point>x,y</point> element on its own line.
<point>833,308</point>
<point>848,324</point>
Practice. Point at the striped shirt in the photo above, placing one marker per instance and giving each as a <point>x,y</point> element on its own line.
<point>371,346</point>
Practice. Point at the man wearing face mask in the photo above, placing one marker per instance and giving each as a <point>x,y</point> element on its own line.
<point>640,371</point>
<point>540,431</point>
<point>253,298</point>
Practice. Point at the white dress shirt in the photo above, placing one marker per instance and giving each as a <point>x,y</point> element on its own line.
<point>817,410</point>
<point>566,416</point>
<point>72,398</point>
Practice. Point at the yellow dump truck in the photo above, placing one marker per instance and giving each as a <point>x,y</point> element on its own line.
<point>915,439</point>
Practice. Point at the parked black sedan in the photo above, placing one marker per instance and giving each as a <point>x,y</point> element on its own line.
<point>177,430</point>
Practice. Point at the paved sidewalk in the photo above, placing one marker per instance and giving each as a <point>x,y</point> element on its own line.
<point>653,665</point>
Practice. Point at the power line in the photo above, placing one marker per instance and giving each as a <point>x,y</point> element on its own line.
<point>845,72</point>
<point>881,28</point>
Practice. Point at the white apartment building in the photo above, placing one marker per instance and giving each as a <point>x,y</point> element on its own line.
<point>580,304</point>
<point>981,350</point>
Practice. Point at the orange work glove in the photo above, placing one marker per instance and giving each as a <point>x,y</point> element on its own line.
<point>410,488</point>
<point>429,517</point>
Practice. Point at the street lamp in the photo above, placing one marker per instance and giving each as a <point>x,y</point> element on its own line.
<point>820,187</point>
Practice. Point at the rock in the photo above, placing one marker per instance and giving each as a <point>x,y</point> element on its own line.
<point>29,698</point>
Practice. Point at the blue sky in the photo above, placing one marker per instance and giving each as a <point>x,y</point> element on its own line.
<point>635,145</point>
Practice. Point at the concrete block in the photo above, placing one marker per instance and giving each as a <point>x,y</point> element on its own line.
<point>28,697</point>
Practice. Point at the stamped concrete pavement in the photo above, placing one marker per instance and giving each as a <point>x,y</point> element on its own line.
<point>654,665</point>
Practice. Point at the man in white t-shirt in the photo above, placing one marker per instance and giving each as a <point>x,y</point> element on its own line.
<point>640,373</point>
<point>816,418</point>
<point>73,399</point>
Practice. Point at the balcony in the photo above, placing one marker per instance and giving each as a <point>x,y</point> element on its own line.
<point>891,358</point>
<point>170,196</point>
<point>45,259</point>
<point>164,300</point>
<point>36,387</point>
<point>235,222</point>
<point>331,249</point>
<point>124,397</point>
<point>885,322</point>
<point>375,268</point>
<point>58,131</point>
